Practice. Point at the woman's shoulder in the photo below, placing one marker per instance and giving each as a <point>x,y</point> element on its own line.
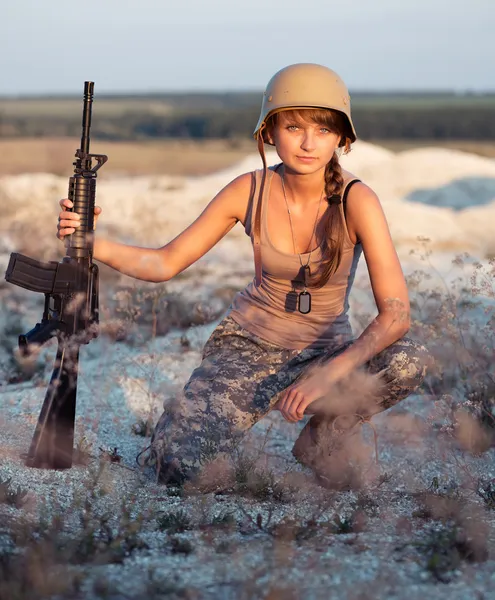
<point>271,170</point>
<point>239,192</point>
<point>360,189</point>
<point>348,177</point>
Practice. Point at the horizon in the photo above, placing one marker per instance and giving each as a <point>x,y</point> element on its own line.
<point>122,94</point>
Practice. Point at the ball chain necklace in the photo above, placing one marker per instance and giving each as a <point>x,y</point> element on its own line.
<point>304,297</point>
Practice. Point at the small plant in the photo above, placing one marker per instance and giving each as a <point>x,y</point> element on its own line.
<point>8,495</point>
<point>283,490</point>
<point>111,454</point>
<point>185,343</point>
<point>368,504</point>
<point>250,524</point>
<point>157,587</point>
<point>446,548</point>
<point>444,487</point>
<point>288,529</point>
<point>243,467</point>
<point>259,483</point>
<point>224,521</point>
<point>82,452</point>
<point>486,491</point>
<point>174,522</point>
<point>423,512</point>
<point>99,542</point>
<point>383,478</point>
<point>17,497</point>
<point>343,525</point>
<point>441,501</point>
<point>457,319</point>
<point>224,547</point>
<point>143,428</point>
<point>175,491</point>
<point>4,489</point>
<point>179,546</point>
<point>17,368</point>
<point>157,310</point>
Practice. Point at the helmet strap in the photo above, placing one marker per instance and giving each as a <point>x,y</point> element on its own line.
<point>257,216</point>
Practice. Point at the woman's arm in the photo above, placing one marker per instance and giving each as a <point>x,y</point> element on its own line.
<point>147,264</point>
<point>366,221</point>
<point>161,264</point>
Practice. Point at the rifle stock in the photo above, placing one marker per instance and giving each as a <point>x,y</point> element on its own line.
<point>71,308</point>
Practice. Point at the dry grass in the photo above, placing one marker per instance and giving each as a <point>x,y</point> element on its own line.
<point>248,525</point>
<point>165,157</point>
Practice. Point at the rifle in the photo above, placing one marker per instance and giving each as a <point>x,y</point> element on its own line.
<point>71,308</point>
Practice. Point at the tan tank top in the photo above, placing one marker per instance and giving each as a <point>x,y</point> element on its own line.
<point>269,309</point>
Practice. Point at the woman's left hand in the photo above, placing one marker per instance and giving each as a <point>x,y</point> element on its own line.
<point>296,398</point>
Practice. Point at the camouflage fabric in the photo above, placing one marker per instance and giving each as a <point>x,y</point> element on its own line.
<point>239,381</point>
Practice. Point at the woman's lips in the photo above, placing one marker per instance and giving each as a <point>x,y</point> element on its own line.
<point>306,158</point>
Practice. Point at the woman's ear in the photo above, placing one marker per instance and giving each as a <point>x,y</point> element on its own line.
<point>268,134</point>
<point>269,138</point>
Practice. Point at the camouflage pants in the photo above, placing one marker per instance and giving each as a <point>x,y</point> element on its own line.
<point>238,382</point>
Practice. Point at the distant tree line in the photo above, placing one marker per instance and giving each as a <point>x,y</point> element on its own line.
<point>468,122</point>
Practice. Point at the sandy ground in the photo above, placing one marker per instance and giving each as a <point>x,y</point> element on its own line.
<point>284,545</point>
<point>383,560</point>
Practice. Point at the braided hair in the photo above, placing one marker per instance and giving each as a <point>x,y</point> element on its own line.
<point>333,227</point>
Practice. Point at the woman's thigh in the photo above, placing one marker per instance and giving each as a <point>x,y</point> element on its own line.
<point>235,385</point>
<point>402,366</point>
<point>399,370</point>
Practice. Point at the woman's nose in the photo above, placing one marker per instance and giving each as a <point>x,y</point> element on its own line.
<point>308,141</point>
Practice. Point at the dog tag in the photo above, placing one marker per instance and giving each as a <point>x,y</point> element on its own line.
<point>304,302</point>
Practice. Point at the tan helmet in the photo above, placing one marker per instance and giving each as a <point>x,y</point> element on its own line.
<point>305,85</point>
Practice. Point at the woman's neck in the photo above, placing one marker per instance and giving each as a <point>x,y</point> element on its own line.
<point>302,190</point>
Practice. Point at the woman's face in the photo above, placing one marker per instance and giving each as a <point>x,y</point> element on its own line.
<point>303,146</point>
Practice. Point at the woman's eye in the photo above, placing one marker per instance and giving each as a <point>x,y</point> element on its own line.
<point>325,130</point>
<point>291,127</point>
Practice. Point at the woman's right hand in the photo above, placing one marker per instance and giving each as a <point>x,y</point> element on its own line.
<point>69,221</point>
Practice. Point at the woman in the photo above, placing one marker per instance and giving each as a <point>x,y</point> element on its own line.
<point>286,341</point>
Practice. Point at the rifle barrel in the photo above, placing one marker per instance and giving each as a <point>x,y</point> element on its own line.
<point>86,120</point>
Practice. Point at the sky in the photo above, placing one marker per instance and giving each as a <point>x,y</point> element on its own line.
<point>220,45</point>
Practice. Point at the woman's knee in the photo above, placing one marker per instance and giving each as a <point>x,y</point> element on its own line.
<point>190,435</point>
<point>175,461</point>
<point>407,361</point>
